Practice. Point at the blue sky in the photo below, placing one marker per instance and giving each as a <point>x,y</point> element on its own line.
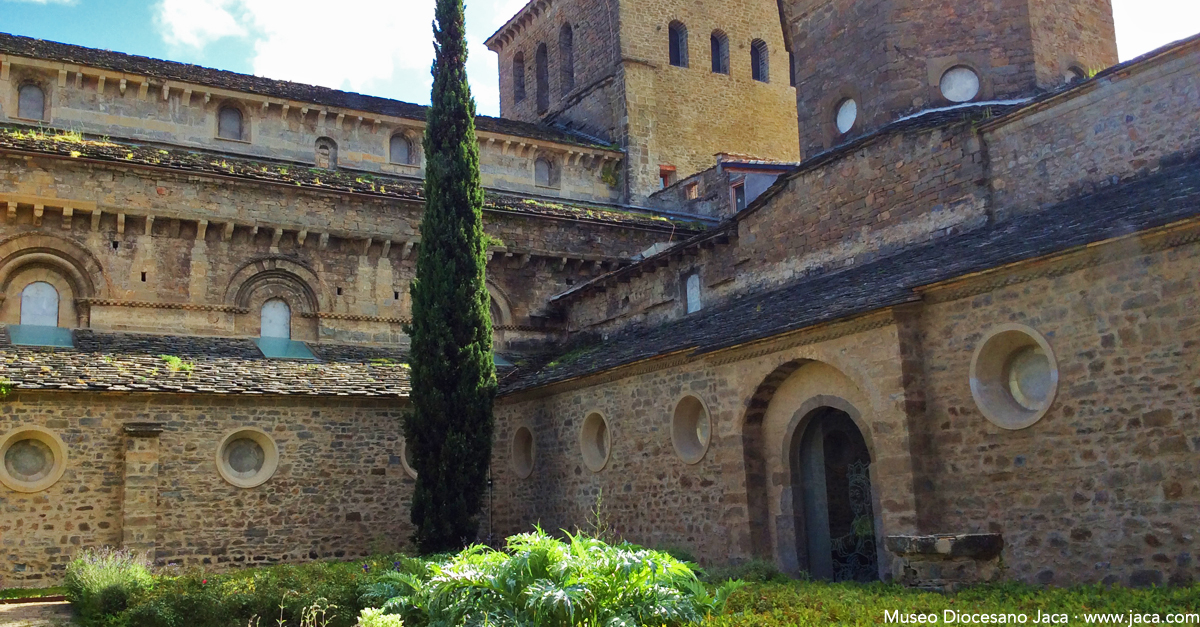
<point>379,47</point>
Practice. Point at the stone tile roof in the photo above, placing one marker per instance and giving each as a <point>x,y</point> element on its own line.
<point>121,362</point>
<point>171,70</point>
<point>72,145</point>
<point>1169,195</point>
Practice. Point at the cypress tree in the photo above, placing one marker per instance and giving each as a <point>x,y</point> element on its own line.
<point>449,428</point>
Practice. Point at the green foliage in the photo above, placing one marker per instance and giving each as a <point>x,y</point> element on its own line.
<point>453,375</point>
<point>176,364</point>
<point>101,582</point>
<point>753,571</point>
<point>539,581</point>
<point>611,175</point>
<point>31,593</point>
<point>318,594</point>
<point>374,617</point>
<point>820,603</point>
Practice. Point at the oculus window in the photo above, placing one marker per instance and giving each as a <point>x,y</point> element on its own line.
<point>31,459</point>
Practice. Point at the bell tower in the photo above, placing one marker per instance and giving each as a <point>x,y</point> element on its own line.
<point>672,82</point>
<point>861,64</point>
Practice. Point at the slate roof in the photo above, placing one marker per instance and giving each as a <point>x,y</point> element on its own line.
<point>171,70</point>
<point>69,145</point>
<point>125,362</point>
<point>1169,195</point>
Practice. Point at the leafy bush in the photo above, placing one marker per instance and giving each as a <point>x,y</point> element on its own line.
<point>374,617</point>
<point>544,582</point>
<point>101,582</point>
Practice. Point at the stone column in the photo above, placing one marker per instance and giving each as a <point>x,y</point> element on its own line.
<point>139,505</point>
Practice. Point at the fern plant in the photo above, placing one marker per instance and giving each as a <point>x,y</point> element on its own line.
<point>540,581</point>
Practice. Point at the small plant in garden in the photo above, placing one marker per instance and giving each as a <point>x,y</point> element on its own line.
<point>101,582</point>
<point>544,582</point>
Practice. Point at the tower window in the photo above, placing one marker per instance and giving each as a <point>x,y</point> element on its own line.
<point>792,69</point>
<point>960,84</point>
<point>518,74</point>
<point>678,44</point>
<point>39,305</point>
<point>31,103</point>
<point>760,61</point>
<point>720,52</point>
<point>327,156</point>
<point>229,123</point>
<point>401,150</point>
<point>1075,74</point>
<point>566,57</point>
<point>847,114</point>
<point>543,79</point>
<point>276,319</point>
<point>692,289</point>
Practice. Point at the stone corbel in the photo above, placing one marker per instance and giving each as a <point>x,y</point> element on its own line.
<point>387,246</point>
<point>100,84</point>
<point>187,98</point>
<point>166,92</point>
<point>366,246</point>
<point>201,230</point>
<point>79,80</point>
<point>120,223</point>
<point>96,214</point>
<point>300,237</point>
<point>408,246</point>
<point>340,118</point>
<point>323,241</point>
<point>4,69</point>
<point>149,226</point>
<point>68,213</point>
<point>321,118</point>
<point>227,233</point>
<point>123,84</point>
<point>62,78</point>
<point>286,108</point>
<point>276,235</point>
<point>38,210</point>
<point>143,89</point>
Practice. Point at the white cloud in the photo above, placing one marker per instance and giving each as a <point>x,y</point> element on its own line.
<point>197,23</point>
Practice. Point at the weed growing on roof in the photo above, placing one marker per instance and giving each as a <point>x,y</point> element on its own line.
<point>176,364</point>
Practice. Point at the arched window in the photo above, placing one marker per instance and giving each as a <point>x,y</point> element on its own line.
<point>276,319</point>
<point>678,44</point>
<point>401,150</point>
<point>229,123</point>
<point>39,305</point>
<point>518,74</point>
<point>543,79</point>
<point>720,52</point>
<point>566,57</point>
<point>31,103</point>
<point>545,173</point>
<point>326,153</point>
<point>760,61</point>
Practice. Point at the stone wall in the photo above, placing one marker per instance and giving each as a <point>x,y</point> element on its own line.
<point>1016,48</point>
<point>340,490</point>
<point>188,117</point>
<point>1120,125</point>
<point>172,250</point>
<point>1104,487</point>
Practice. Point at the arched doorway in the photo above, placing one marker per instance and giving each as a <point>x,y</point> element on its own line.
<point>832,502</point>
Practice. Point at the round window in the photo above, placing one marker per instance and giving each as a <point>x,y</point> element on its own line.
<point>690,428</point>
<point>595,442</point>
<point>1014,376</point>
<point>847,114</point>
<point>33,459</point>
<point>960,84</point>
<point>522,452</point>
<point>247,457</point>
<point>406,458</point>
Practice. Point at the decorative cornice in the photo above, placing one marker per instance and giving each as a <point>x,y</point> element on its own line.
<point>111,302</point>
<point>327,315</point>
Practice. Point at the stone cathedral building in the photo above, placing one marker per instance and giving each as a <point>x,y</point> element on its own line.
<point>796,280</point>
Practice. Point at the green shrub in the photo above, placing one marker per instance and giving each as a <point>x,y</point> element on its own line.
<point>374,617</point>
<point>539,581</point>
<point>101,582</point>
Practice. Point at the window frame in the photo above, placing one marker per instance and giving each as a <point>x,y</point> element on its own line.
<point>566,59</point>
<point>688,279</point>
<point>719,52</point>
<point>677,44</point>
<point>542,78</point>
<point>518,74</point>
<point>243,119</point>
<point>44,114</point>
<point>413,159</point>
<point>760,61</point>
